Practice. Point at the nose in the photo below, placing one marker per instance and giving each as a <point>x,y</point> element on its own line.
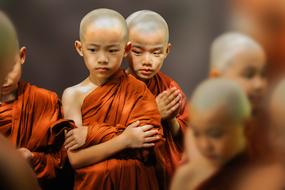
<point>102,58</point>
<point>147,59</point>
<point>205,145</point>
<point>259,84</point>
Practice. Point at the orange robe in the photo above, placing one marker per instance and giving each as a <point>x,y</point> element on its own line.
<point>118,103</point>
<point>173,145</point>
<point>34,121</point>
<point>229,174</point>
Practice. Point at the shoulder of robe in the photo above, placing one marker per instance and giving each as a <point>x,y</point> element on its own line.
<point>44,94</point>
<point>135,84</point>
<point>169,81</point>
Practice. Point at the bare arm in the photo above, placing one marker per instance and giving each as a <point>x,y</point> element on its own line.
<point>134,136</point>
<point>72,106</point>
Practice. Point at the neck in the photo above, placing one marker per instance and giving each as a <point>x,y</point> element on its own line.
<point>96,81</point>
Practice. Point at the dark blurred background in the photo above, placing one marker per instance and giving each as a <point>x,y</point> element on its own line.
<point>48,28</point>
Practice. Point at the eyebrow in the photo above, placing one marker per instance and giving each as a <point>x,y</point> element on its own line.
<point>108,46</point>
<point>152,49</point>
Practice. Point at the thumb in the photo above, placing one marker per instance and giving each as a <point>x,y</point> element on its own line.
<point>134,124</point>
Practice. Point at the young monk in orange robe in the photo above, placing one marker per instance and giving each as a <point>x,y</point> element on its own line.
<point>30,117</point>
<point>219,110</point>
<point>148,33</point>
<point>117,115</point>
<point>238,57</point>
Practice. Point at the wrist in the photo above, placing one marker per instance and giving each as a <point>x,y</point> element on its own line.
<point>123,141</point>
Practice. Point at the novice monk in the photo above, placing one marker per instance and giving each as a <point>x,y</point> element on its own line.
<point>149,35</point>
<point>219,110</point>
<point>29,118</point>
<point>237,57</point>
<point>103,105</point>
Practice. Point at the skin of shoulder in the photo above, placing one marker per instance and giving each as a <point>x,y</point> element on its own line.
<point>73,98</point>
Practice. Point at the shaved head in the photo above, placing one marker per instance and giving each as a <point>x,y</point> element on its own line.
<point>8,45</point>
<point>147,21</point>
<point>227,45</point>
<point>221,93</point>
<point>104,19</point>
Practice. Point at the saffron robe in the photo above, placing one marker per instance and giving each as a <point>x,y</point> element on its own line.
<point>118,103</point>
<point>34,121</point>
<point>174,145</point>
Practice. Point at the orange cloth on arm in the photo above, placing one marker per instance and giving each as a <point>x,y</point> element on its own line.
<point>173,145</point>
<point>36,124</point>
<point>118,103</point>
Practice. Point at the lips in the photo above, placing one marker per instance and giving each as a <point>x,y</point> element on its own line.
<point>102,69</point>
<point>146,71</point>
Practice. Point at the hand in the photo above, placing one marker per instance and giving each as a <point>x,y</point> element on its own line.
<point>75,138</point>
<point>140,136</point>
<point>26,153</point>
<point>168,103</point>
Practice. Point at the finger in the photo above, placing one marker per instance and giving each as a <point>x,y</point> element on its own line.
<point>74,147</point>
<point>173,95</point>
<point>69,133</point>
<point>151,133</point>
<point>148,145</point>
<point>134,124</point>
<point>174,102</point>
<point>175,107</point>
<point>151,139</point>
<point>67,146</point>
<point>68,140</point>
<point>163,96</point>
<point>147,127</point>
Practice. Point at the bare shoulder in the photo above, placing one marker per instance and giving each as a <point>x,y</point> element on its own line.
<point>76,94</point>
<point>71,92</point>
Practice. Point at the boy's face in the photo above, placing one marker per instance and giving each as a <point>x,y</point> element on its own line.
<point>12,79</point>
<point>248,69</point>
<point>217,138</point>
<point>103,50</point>
<point>148,53</point>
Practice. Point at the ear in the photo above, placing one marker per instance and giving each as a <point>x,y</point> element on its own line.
<point>169,45</point>
<point>78,47</point>
<point>23,53</point>
<point>214,73</point>
<point>128,49</point>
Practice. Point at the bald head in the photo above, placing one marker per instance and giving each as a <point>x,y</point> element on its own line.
<point>221,94</point>
<point>228,45</point>
<point>104,19</point>
<point>147,21</point>
<point>8,45</point>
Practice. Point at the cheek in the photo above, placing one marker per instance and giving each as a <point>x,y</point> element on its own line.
<point>116,60</point>
<point>135,61</point>
<point>244,83</point>
<point>157,63</point>
<point>222,147</point>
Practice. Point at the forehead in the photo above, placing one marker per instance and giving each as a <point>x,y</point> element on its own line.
<point>97,33</point>
<point>247,58</point>
<point>215,118</point>
<point>147,38</point>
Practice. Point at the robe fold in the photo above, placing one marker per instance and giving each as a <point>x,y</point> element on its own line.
<point>173,149</point>
<point>107,111</point>
<point>34,121</point>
